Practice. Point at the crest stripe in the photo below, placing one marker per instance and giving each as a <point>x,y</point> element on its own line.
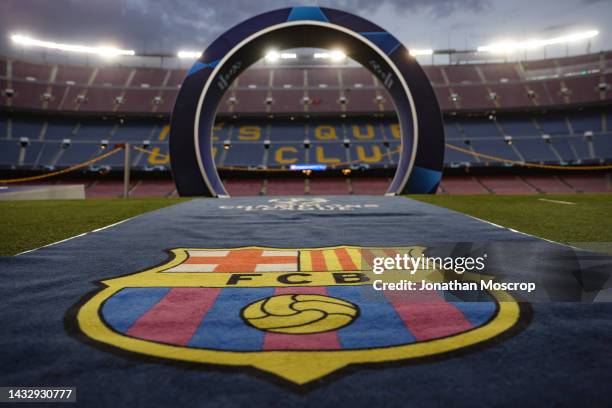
<point>176,317</point>
<point>376,316</point>
<point>223,329</point>
<point>126,306</point>
<point>346,260</point>
<point>428,315</point>
<point>318,261</point>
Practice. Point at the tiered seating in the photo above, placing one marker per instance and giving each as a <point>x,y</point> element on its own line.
<point>589,184</point>
<point>104,189</point>
<point>560,81</point>
<point>506,185</point>
<point>152,188</point>
<point>548,184</point>
<point>328,186</point>
<point>370,185</point>
<point>573,138</point>
<point>462,185</point>
<point>285,187</point>
<point>243,187</point>
<point>529,184</point>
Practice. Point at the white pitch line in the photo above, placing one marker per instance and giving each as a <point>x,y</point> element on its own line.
<point>53,243</point>
<point>556,201</point>
<point>78,235</point>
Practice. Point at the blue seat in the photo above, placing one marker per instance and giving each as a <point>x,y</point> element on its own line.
<point>287,132</point>
<point>579,144</point>
<point>374,154</point>
<point>451,131</point>
<point>479,129</point>
<point>32,153</point>
<point>535,150</point>
<point>134,132</point>
<point>9,153</point>
<point>58,129</point>
<point>330,153</point>
<point>363,130</point>
<point>564,148</point>
<point>553,124</point>
<point>582,122</point>
<point>518,127</point>
<point>285,154</point>
<point>454,156</point>
<point>603,146</point>
<point>26,128</point>
<point>93,131</point>
<point>77,153</point>
<point>49,152</point>
<point>244,154</point>
<point>497,148</point>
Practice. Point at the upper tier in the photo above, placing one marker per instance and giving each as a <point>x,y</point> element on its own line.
<point>550,82</point>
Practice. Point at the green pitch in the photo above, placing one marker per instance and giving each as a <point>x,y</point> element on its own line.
<point>583,220</point>
<point>31,224</point>
<point>573,218</point>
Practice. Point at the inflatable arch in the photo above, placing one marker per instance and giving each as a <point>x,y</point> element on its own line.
<point>422,134</point>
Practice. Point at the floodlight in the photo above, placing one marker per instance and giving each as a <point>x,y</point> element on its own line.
<point>512,46</point>
<point>417,53</point>
<point>334,55</point>
<point>272,56</point>
<point>83,49</point>
<point>337,55</point>
<point>189,54</point>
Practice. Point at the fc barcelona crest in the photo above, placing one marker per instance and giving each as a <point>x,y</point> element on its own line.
<point>299,314</point>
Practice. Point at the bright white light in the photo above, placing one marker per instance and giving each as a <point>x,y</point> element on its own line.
<point>288,55</point>
<point>272,56</point>
<point>512,46</point>
<point>102,51</point>
<point>189,54</point>
<point>335,55</point>
<point>416,53</point>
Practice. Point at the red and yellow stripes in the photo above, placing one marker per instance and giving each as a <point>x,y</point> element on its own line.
<point>328,260</point>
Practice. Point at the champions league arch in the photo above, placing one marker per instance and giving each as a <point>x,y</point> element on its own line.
<point>422,134</point>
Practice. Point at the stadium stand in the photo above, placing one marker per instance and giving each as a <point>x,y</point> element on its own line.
<point>552,111</point>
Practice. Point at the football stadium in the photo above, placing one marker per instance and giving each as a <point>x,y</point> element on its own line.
<point>306,210</point>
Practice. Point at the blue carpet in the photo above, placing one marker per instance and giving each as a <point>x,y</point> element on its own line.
<point>559,354</point>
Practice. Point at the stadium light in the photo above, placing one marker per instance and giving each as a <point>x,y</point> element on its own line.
<point>273,55</point>
<point>189,54</point>
<point>512,46</point>
<point>335,55</point>
<point>417,53</point>
<point>101,51</point>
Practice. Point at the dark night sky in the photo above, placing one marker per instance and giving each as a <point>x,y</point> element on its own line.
<point>169,25</point>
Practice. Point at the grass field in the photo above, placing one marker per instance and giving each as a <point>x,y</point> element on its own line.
<point>578,219</point>
<point>31,224</point>
<point>563,218</point>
